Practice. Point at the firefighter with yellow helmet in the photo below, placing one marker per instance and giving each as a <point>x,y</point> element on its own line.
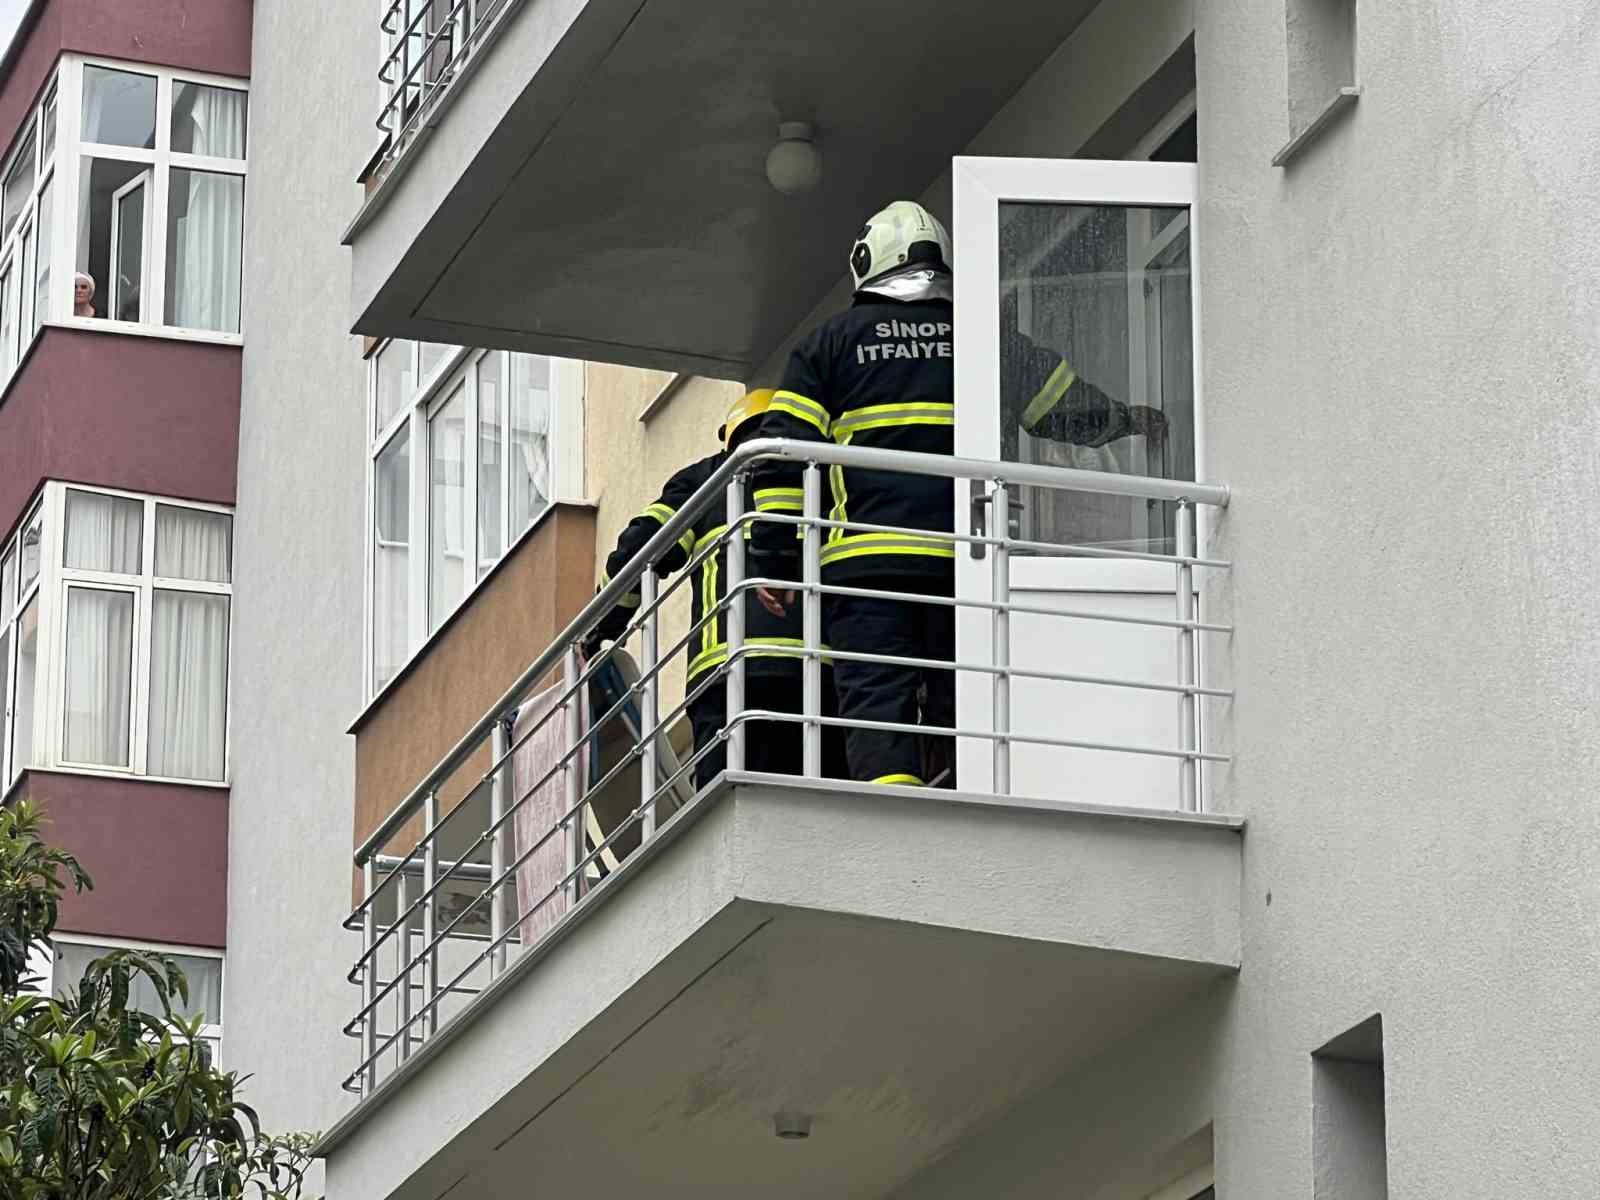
<point>773,671</point>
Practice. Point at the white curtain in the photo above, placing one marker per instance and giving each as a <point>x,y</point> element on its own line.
<point>530,435</point>
<point>192,544</point>
<point>216,121</point>
<point>99,676</point>
<point>391,570</point>
<point>188,685</point>
<point>447,494</point>
<point>104,533</point>
<point>205,229</point>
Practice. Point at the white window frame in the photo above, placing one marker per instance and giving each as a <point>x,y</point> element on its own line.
<point>144,181</point>
<point>211,1031</point>
<point>23,268</point>
<point>49,725</point>
<point>72,149</point>
<point>458,368</point>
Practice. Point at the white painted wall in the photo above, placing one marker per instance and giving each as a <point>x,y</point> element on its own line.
<point>299,538</point>
<point>1401,363</point>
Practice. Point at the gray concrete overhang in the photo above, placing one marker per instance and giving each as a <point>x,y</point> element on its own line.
<point>596,186</point>
<point>900,968</point>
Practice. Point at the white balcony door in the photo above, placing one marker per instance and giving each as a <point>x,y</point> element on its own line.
<point>1087,264</point>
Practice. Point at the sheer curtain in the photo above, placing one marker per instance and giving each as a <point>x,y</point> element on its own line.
<point>205,233</point>
<point>193,545</point>
<point>104,533</point>
<point>188,685</point>
<point>530,435</point>
<point>189,647</point>
<point>206,229</point>
<point>99,676</point>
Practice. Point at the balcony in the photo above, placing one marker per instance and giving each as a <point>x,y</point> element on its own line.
<point>551,181</point>
<point>575,965</point>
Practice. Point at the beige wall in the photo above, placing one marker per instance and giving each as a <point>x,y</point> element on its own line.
<point>476,655</point>
<point>627,461</point>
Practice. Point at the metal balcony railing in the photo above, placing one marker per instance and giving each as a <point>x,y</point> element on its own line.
<point>538,806</point>
<point>429,45</point>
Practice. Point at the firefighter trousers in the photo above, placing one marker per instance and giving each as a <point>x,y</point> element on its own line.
<point>872,691</point>
<point>775,747</point>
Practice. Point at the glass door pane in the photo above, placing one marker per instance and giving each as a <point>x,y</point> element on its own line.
<point>128,249</point>
<point>1096,362</point>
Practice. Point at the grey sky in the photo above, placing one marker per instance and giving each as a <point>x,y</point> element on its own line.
<point>10,13</point>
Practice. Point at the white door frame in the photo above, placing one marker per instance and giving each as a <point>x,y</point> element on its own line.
<point>980,186</point>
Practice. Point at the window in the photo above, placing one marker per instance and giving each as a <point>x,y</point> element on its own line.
<point>19,183</point>
<point>19,643</point>
<point>1321,75</point>
<point>135,675</point>
<point>1348,1125</point>
<point>27,197</point>
<point>202,971</point>
<point>149,138</point>
<point>481,423</point>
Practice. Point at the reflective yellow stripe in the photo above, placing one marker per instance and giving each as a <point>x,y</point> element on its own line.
<point>836,483</point>
<point>1049,395</point>
<point>780,500</point>
<point>627,600</point>
<point>908,780</point>
<point>802,407</point>
<point>661,512</point>
<point>707,536</point>
<point>768,647</point>
<point>882,416</point>
<point>687,541</point>
<point>708,604</point>
<point>856,545</point>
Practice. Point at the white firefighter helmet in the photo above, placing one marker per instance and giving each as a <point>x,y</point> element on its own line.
<point>903,234</point>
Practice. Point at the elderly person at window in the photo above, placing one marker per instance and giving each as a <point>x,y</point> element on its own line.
<point>83,295</point>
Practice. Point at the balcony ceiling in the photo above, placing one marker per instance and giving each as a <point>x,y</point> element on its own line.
<point>612,204</point>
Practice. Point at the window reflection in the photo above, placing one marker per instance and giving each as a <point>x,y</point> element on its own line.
<point>119,108</point>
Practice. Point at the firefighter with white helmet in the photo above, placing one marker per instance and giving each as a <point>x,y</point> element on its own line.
<point>882,374</point>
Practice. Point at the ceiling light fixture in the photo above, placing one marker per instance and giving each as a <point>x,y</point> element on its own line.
<point>792,1127</point>
<point>794,165</point>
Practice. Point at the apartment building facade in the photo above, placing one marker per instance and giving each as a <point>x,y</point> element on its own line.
<point>1309,917</point>
<point>120,293</point>
<point>1355,969</point>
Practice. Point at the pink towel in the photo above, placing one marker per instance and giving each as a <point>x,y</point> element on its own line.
<point>540,897</point>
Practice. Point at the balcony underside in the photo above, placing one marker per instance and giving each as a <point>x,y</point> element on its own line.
<point>597,187</point>
<point>901,968</point>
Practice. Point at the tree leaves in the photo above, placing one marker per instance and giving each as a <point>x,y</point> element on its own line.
<point>102,1101</point>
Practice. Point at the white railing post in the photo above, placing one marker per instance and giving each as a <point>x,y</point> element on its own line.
<point>499,747</point>
<point>572,774</point>
<point>402,959</point>
<point>369,982</point>
<point>649,650</point>
<point>1000,522</point>
<point>811,624</point>
<point>1188,791</point>
<point>430,911</point>
<point>735,619</point>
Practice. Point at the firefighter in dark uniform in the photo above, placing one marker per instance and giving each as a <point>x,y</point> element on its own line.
<point>772,671</point>
<point>881,374</point>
